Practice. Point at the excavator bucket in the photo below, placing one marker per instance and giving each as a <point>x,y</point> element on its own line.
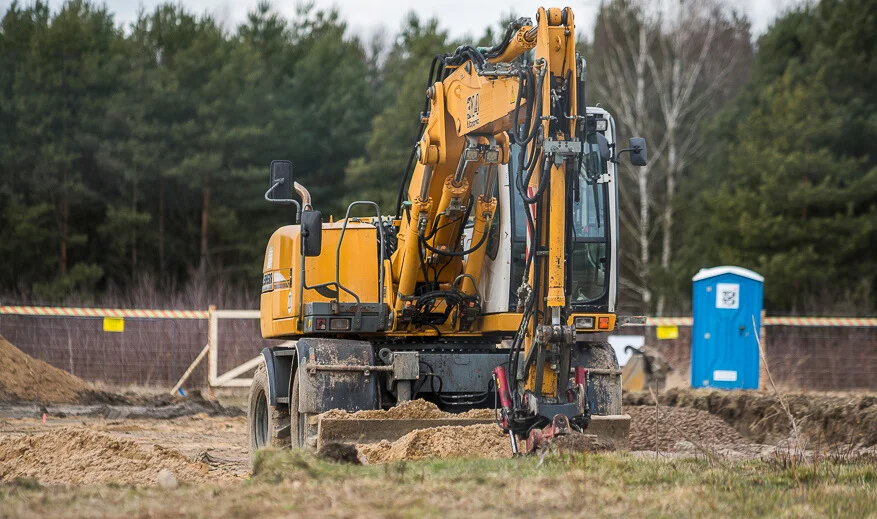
<point>609,433</point>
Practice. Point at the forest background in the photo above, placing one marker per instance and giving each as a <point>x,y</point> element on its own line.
<point>133,158</point>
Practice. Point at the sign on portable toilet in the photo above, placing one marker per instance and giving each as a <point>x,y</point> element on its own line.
<point>724,345</point>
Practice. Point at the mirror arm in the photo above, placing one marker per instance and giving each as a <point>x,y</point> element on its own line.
<point>287,201</point>
<point>636,149</point>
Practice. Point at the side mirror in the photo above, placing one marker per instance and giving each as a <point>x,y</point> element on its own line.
<point>281,182</point>
<point>638,154</point>
<point>311,233</point>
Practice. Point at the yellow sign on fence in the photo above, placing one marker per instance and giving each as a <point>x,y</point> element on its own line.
<point>667,332</point>
<point>114,324</point>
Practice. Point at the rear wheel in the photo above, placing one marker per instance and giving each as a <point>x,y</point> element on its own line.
<point>268,425</point>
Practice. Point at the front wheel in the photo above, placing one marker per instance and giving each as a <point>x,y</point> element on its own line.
<point>303,433</point>
<point>267,425</point>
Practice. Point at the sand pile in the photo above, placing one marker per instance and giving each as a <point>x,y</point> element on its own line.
<point>415,409</point>
<point>78,456</point>
<point>483,441</point>
<point>677,425</point>
<point>26,379</point>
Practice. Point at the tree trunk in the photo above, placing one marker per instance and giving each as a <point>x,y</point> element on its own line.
<point>668,209</point>
<point>205,208</point>
<point>643,177</point>
<point>134,231</point>
<point>65,224</point>
<point>161,266</point>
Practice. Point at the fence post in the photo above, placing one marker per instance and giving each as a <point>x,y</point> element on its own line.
<point>762,371</point>
<point>212,341</point>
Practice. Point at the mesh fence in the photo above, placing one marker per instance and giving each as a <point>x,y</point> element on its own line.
<point>148,351</point>
<point>158,351</point>
<point>835,358</point>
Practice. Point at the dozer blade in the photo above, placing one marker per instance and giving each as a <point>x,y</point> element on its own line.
<point>609,432</point>
<point>371,430</point>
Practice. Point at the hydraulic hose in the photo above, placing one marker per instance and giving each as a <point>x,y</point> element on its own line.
<point>457,253</point>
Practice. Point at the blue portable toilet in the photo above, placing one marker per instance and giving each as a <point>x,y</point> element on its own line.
<point>724,348</point>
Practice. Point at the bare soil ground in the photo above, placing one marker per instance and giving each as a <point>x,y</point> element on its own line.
<point>216,444</point>
<point>823,419</point>
<point>78,455</point>
<point>97,453</point>
<point>93,466</point>
<point>665,428</point>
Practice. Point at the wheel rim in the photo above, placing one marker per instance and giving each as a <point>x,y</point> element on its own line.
<point>260,415</point>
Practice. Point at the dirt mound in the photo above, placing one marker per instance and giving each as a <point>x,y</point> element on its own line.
<point>26,379</point>
<point>676,425</point>
<point>163,407</point>
<point>477,414</point>
<point>483,441</point>
<point>410,409</point>
<point>79,456</point>
<point>849,420</point>
<point>416,409</point>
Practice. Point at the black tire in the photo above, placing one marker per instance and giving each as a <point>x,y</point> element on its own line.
<point>299,430</point>
<point>604,393</point>
<point>267,425</point>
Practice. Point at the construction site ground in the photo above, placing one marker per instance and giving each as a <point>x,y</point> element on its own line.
<point>94,465</point>
<point>96,452</point>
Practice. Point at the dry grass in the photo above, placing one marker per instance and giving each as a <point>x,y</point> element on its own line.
<point>794,453</point>
<point>616,484</point>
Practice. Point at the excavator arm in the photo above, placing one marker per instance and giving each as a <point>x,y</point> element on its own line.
<point>482,103</point>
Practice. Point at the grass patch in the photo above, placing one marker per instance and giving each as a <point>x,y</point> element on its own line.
<point>289,482</point>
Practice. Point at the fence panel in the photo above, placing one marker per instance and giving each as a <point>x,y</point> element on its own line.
<point>149,352</point>
<point>825,358</point>
<point>156,347</point>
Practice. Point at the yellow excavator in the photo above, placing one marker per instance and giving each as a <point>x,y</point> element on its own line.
<point>492,286</point>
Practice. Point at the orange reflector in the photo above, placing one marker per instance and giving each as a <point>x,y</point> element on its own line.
<point>603,323</point>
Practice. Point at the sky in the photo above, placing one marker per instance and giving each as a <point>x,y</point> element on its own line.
<point>459,17</point>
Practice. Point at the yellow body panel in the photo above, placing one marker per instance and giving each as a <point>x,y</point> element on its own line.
<point>358,271</point>
<point>480,105</point>
<point>504,322</point>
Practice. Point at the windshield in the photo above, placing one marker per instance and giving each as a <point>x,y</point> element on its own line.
<point>590,229</point>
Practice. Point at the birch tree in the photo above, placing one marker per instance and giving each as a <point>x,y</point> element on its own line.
<point>663,68</point>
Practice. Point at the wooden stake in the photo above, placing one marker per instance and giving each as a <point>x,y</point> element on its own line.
<point>192,367</point>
